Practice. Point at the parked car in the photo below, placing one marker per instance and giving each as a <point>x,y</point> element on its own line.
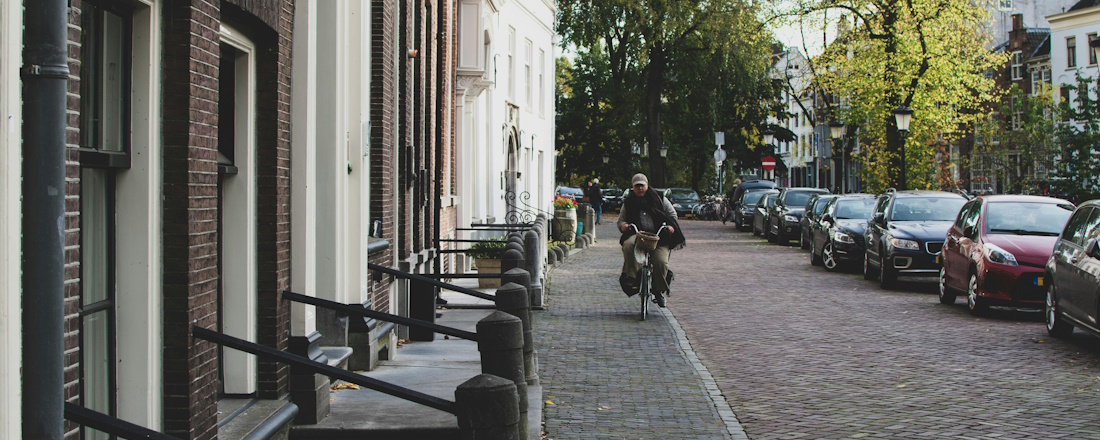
<point>997,249</point>
<point>575,193</point>
<point>789,207</point>
<point>751,184</point>
<point>613,199</point>
<point>906,233</point>
<point>683,200</point>
<point>1073,274</point>
<point>813,212</point>
<point>837,235</point>
<point>745,207</point>
<point>760,212</point>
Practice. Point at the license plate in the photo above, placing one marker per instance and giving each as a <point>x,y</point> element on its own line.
<point>1039,281</point>
<point>936,259</point>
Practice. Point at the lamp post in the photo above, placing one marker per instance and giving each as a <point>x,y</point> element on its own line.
<point>769,136</point>
<point>664,165</point>
<point>902,116</point>
<point>719,157</point>
<point>836,129</point>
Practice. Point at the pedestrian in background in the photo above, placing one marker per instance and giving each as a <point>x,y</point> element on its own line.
<point>595,197</point>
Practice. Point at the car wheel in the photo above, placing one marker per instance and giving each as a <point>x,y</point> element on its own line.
<point>867,274</point>
<point>768,234</point>
<point>828,258</point>
<point>803,242</point>
<point>815,260</point>
<point>886,275</point>
<point>974,303</point>
<point>780,237</point>
<point>755,231</point>
<point>1056,324</point>
<point>947,294</point>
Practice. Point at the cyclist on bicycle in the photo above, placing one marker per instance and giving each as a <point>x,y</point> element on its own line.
<point>646,209</point>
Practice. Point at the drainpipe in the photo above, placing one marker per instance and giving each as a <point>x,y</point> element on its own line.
<point>45,75</point>
<point>439,113</point>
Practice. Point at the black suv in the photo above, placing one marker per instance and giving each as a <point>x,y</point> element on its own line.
<point>906,233</point>
<point>789,207</point>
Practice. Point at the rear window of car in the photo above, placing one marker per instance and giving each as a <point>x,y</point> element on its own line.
<point>926,208</point>
<point>797,198</point>
<point>855,209</point>
<point>1026,218</point>
<point>752,197</point>
<point>684,194</point>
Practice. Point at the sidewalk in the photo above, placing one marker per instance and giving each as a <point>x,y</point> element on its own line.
<point>605,373</point>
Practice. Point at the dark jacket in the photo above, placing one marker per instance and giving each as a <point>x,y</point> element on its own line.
<point>652,203</point>
<point>595,194</point>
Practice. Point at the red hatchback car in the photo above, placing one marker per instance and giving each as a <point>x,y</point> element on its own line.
<point>997,249</point>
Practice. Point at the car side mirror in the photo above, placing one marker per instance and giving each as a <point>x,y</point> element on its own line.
<point>1092,249</point>
<point>968,231</point>
<point>879,218</point>
<point>827,218</point>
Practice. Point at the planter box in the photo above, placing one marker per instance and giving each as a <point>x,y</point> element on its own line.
<point>487,265</point>
<point>565,225</point>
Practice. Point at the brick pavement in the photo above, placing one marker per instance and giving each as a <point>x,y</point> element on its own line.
<point>802,353</point>
<point>607,375</point>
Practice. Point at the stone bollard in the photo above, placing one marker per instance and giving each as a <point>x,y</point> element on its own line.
<point>488,409</point>
<point>534,268</point>
<point>509,301</point>
<point>590,222</point>
<point>511,259</point>
<point>582,241</point>
<point>514,245</point>
<point>500,342</point>
<point>564,249</point>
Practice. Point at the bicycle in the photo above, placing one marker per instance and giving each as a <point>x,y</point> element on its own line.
<point>644,243</point>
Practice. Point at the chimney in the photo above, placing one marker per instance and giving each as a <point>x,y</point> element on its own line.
<point>1017,21</point>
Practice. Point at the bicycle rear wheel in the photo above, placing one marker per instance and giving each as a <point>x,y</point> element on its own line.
<point>643,291</point>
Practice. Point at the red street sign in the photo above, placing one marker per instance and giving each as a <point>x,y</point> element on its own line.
<point>767,163</point>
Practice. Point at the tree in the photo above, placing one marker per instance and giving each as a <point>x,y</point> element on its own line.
<point>1077,174</point>
<point>1016,146</point>
<point>928,55</point>
<point>650,45</point>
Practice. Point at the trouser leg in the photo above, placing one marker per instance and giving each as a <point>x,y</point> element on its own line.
<point>659,258</point>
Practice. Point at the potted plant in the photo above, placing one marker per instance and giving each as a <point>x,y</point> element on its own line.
<point>486,255</point>
<point>565,219</point>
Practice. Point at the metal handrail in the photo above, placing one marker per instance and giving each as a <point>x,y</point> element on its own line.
<point>322,368</point>
<point>358,309</point>
<point>426,280</point>
<point>111,425</point>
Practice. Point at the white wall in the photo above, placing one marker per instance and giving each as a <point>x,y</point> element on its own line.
<point>1072,24</point>
<point>11,42</point>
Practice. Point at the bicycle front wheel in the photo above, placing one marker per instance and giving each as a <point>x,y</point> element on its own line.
<point>643,290</point>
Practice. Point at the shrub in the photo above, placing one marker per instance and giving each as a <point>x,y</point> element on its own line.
<point>490,249</point>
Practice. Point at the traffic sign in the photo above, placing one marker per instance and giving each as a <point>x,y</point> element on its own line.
<point>767,163</point>
<point>719,155</point>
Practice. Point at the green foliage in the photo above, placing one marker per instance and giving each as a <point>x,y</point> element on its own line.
<point>489,249</point>
<point>1077,177</point>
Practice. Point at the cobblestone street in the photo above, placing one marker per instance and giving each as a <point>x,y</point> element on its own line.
<point>797,352</point>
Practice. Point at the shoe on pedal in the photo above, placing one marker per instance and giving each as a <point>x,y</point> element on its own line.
<point>659,299</point>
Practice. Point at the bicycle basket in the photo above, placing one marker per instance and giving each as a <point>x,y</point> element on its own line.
<point>646,241</point>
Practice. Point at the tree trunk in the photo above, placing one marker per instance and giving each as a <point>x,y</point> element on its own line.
<point>654,85</point>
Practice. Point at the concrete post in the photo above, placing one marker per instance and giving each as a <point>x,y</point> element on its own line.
<point>534,268</point>
<point>590,222</point>
<point>511,259</point>
<point>500,342</point>
<point>488,409</point>
<point>512,299</point>
<point>422,306</point>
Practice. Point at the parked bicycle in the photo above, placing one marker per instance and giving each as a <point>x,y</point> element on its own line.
<point>645,243</point>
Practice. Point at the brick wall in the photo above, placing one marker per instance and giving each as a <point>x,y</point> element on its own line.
<point>382,109</point>
<point>72,220</point>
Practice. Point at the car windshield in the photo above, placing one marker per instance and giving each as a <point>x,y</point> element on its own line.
<point>612,192</point>
<point>684,195</point>
<point>567,191</point>
<point>1026,218</point>
<point>797,198</point>
<point>753,196</point>
<point>819,204</point>
<point>926,208</point>
<point>855,209</point>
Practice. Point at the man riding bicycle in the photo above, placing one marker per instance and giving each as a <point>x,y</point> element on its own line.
<point>646,209</point>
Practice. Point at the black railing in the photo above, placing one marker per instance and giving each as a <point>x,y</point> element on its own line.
<point>358,309</point>
<point>294,360</point>
<point>527,214</point>
<point>430,281</point>
<point>111,425</point>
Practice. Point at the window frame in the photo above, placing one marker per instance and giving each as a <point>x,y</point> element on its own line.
<point>1071,52</point>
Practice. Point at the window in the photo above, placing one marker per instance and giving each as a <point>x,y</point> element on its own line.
<point>1076,226</point>
<point>1017,112</point>
<point>1064,97</point>
<point>104,151</point>
<point>1092,53</point>
<point>527,83</point>
<point>1017,65</point>
<point>542,82</point>
<point>1071,52</point>
<point>512,64</point>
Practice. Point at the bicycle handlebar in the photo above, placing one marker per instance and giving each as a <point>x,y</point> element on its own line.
<point>659,230</point>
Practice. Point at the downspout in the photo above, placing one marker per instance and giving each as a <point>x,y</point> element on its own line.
<point>440,99</point>
<point>45,76</point>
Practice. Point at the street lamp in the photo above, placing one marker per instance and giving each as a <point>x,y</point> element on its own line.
<point>606,158</point>
<point>664,151</point>
<point>769,135</point>
<point>836,128</point>
<point>902,116</point>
